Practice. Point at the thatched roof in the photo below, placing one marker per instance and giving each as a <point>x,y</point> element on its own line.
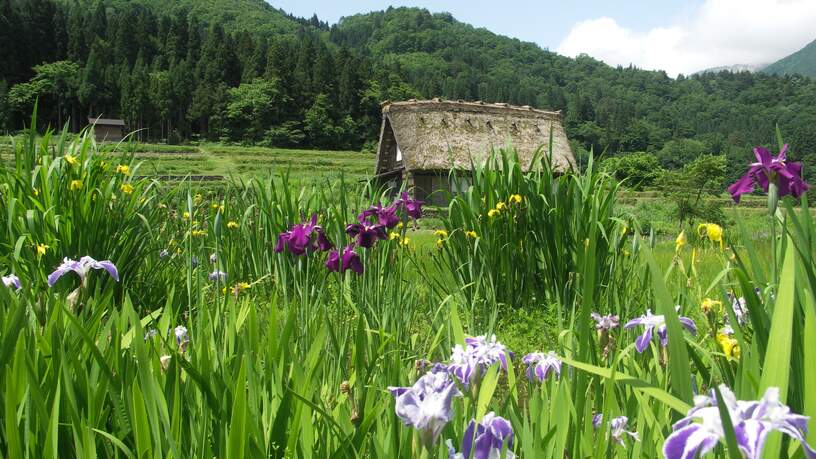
<point>106,121</point>
<point>441,134</point>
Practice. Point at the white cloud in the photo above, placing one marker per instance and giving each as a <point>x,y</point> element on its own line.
<point>720,32</point>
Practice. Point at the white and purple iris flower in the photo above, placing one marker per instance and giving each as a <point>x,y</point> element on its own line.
<point>219,276</point>
<point>426,406</point>
<point>181,334</point>
<point>651,322</point>
<point>12,281</point>
<point>701,430</point>
<point>485,440</point>
<point>787,176</point>
<point>307,236</point>
<point>740,308</point>
<point>164,253</point>
<point>607,322</point>
<point>467,363</point>
<point>348,260</point>
<point>617,428</point>
<point>540,365</point>
<point>82,267</point>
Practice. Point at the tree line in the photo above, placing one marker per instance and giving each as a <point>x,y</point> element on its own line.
<point>176,75</point>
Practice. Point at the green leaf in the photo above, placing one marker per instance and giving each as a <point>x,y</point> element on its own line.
<point>809,348</point>
<point>653,391</point>
<point>777,366</point>
<point>236,440</point>
<point>679,368</point>
<point>728,427</point>
<point>486,389</point>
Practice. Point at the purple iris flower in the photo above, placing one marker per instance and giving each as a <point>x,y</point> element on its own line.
<point>701,430</point>
<point>82,267</point>
<point>617,428</point>
<point>217,275</point>
<point>412,206</point>
<point>386,216</point>
<point>650,322</point>
<point>607,322</point>
<point>426,405</point>
<point>787,176</point>
<point>12,281</point>
<point>366,234</point>
<point>299,238</point>
<point>479,353</point>
<point>164,253</point>
<point>194,261</point>
<point>540,365</point>
<point>213,258</point>
<point>349,260</point>
<point>485,440</point>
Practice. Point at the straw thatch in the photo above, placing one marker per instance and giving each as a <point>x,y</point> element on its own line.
<point>442,135</point>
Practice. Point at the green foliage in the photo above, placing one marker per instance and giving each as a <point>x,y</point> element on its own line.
<point>677,153</point>
<point>636,170</point>
<point>690,187</point>
<point>286,359</point>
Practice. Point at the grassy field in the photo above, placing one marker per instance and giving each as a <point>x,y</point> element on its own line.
<point>232,326</point>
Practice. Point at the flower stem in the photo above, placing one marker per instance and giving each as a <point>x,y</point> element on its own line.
<point>773,203</point>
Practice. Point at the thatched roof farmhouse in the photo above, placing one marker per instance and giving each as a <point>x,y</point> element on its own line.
<point>422,141</point>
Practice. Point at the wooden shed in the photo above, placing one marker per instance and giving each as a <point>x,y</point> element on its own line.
<point>422,141</point>
<point>108,129</point>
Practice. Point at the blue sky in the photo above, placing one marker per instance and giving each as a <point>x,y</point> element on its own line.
<point>545,22</point>
<point>672,35</point>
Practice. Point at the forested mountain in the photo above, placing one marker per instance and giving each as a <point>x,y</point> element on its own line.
<point>802,62</point>
<point>242,71</point>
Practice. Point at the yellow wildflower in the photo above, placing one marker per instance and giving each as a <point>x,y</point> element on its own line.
<point>214,206</point>
<point>501,206</point>
<point>221,208</point>
<point>393,236</point>
<point>232,225</point>
<point>126,188</point>
<point>515,199</point>
<point>441,233</point>
<point>197,198</point>
<point>471,234</point>
<point>185,215</point>
<point>624,230</point>
<point>199,233</point>
<point>710,305</point>
<point>104,165</point>
<point>405,242</point>
<point>71,159</point>
<point>626,253</point>
<point>41,248</point>
<point>75,185</point>
<point>729,345</point>
<point>680,242</point>
<point>440,243</point>
<point>36,191</point>
<point>492,213</point>
<point>123,169</point>
<point>712,231</point>
<point>400,225</point>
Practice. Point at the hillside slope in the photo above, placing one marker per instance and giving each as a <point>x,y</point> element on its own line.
<point>802,62</point>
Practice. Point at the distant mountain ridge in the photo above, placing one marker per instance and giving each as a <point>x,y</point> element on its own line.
<point>801,62</point>
<point>736,68</point>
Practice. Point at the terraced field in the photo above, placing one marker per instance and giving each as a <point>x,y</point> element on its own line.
<point>239,162</point>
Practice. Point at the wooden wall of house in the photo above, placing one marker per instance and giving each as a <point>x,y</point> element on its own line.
<point>435,187</point>
<point>109,133</point>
